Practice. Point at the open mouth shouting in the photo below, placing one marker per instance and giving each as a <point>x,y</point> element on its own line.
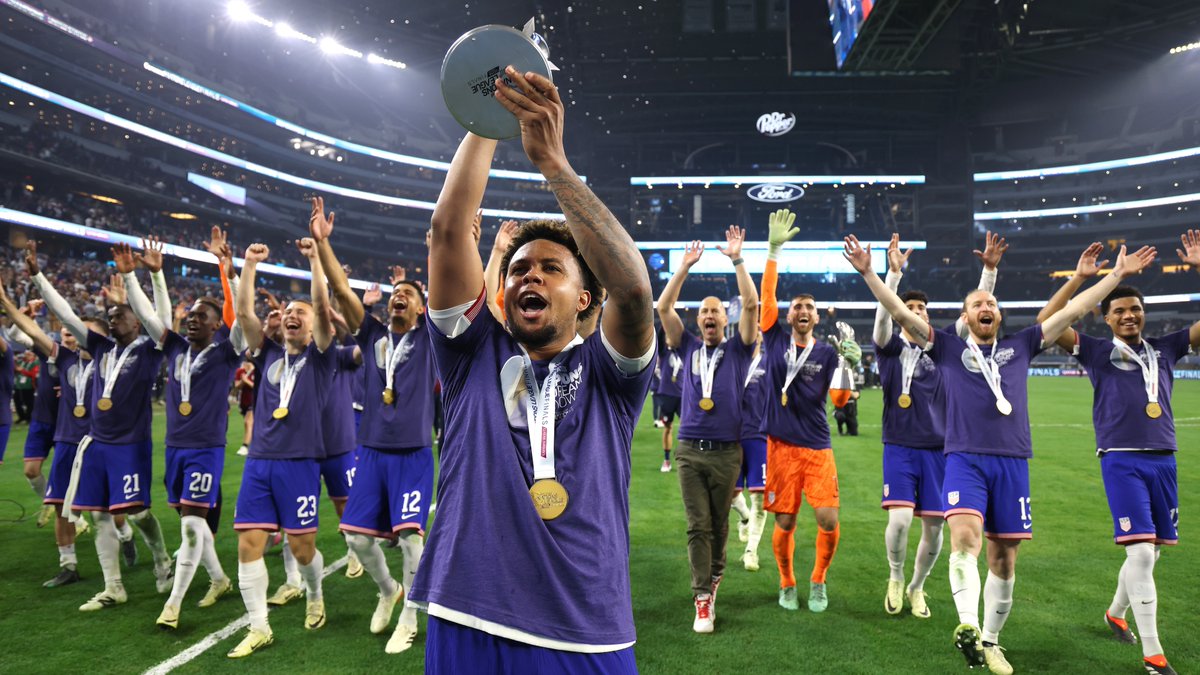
<point>531,306</point>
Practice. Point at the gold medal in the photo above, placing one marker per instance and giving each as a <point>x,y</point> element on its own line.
<point>389,396</point>
<point>783,399</point>
<point>79,411</point>
<point>104,404</point>
<point>905,401</point>
<point>280,413</point>
<point>185,408</point>
<point>707,404</point>
<point>549,498</point>
<point>1153,410</point>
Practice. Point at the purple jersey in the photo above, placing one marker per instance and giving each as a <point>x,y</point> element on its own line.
<point>1119,404</point>
<point>973,423</point>
<point>407,423</point>
<point>923,423</point>
<point>299,434</point>
<point>754,401</point>
<point>7,373</point>
<point>68,428</point>
<point>212,377</point>
<point>544,582</point>
<point>803,422</point>
<point>670,368</point>
<point>724,421</point>
<point>128,420</point>
<point>337,426</point>
<point>45,400</point>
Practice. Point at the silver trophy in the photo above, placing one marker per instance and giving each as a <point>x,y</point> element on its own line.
<point>473,64</point>
<point>843,377</point>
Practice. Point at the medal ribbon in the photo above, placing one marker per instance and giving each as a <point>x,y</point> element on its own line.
<point>81,379</point>
<point>708,368</point>
<point>910,355</point>
<point>540,411</point>
<point>1149,366</point>
<point>190,366</point>
<point>795,363</point>
<point>113,371</point>
<point>288,378</point>
<point>676,364</point>
<point>392,359</point>
<point>988,368</point>
<point>753,365</point>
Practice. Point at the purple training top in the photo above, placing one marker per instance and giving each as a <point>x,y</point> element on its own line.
<point>7,374</point>
<point>923,424</point>
<point>670,367</point>
<point>45,400</point>
<point>408,422</point>
<point>212,378</point>
<point>803,423</point>
<point>300,434</point>
<point>338,425</point>
<point>68,428</point>
<point>128,421</point>
<point>724,421</point>
<point>754,402</point>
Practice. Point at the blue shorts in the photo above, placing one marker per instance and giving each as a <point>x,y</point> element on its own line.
<point>391,492</point>
<point>668,407</point>
<point>40,440</point>
<point>4,431</point>
<point>338,472</point>
<point>754,465</point>
<point>451,649</point>
<point>278,493</point>
<point>59,476</point>
<point>114,476</point>
<point>1143,496</point>
<point>912,478</point>
<point>194,475</point>
<point>993,487</point>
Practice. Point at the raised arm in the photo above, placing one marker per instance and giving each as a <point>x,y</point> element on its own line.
<point>151,258</point>
<point>1190,255</point>
<point>455,271</point>
<point>1127,266</point>
<point>491,271</point>
<point>896,262</point>
<point>320,225</point>
<point>145,312</point>
<point>628,322</point>
<point>860,258</point>
<point>779,232</point>
<point>1085,269</point>
<point>251,325</point>
<point>57,305</point>
<point>671,323</point>
<point>748,321</point>
<point>26,325</point>
<point>322,325</point>
<point>990,256</point>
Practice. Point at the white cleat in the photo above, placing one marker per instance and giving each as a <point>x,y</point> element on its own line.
<point>750,561</point>
<point>666,466</point>
<point>109,597</point>
<point>994,656</point>
<point>354,568</point>
<point>382,618</point>
<point>216,589</point>
<point>893,602</point>
<point>169,618</point>
<point>704,617</point>
<point>402,638</point>
<point>919,601</point>
<point>164,576</point>
<point>242,452</point>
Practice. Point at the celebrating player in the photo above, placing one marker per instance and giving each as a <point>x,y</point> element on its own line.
<point>748,495</point>
<point>39,440</point>
<point>988,442</point>
<point>710,422</point>
<point>538,422</point>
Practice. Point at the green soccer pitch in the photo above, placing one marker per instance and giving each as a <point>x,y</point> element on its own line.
<point>1065,578</point>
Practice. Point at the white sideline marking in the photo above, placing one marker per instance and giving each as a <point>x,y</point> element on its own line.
<point>213,638</point>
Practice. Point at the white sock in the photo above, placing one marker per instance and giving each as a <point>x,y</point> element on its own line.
<point>758,520</point>
<point>739,505</point>
<point>412,546</point>
<point>964,584</point>
<point>66,556</point>
<point>312,573</point>
<point>373,561</point>
<point>208,556</point>
<point>927,552</point>
<point>895,537</point>
<point>1143,596</point>
<point>38,483</point>
<point>125,532</point>
<point>290,567</point>
<point>108,548</point>
<point>252,582</point>
<point>997,603</point>
<point>1120,601</point>
<point>189,556</point>
<point>152,534</point>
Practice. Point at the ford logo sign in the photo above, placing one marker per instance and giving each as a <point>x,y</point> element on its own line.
<point>775,193</point>
<point>776,123</point>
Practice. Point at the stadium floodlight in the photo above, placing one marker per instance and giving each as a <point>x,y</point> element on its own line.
<point>375,58</point>
<point>239,11</point>
<point>332,47</point>
<point>283,30</point>
<point>1185,48</point>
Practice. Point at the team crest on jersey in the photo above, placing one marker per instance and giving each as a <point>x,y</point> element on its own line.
<point>886,489</point>
<point>516,394</point>
<point>952,497</point>
<point>771,497</point>
<point>381,346</point>
<point>1002,357</point>
<point>276,369</point>
<point>52,369</point>
<point>810,370</point>
<point>756,376</point>
<point>1119,360</point>
<point>125,367</point>
<point>1125,524</point>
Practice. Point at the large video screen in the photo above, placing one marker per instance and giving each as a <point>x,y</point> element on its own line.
<point>847,17</point>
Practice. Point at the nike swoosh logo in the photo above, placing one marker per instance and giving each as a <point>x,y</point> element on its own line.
<point>1002,613</point>
<point>308,521</point>
<point>958,591</point>
<point>405,516</point>
<point>1027,525</point>
<point>1149,602</point>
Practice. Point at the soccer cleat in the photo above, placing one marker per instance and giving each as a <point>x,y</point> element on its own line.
<point>354,568</point>
<point>382,618</point>
<point>216,588</point>
<point>253,642</point>
<point>129,552</point>
<point>967,641</point>
<point>285,594</point>
<point>893,602</point>
<point>818,598</point>
<point>109,597</point>
<point>242,452</point>
<point>314,614</point>
<point>666,466</point>
<point>744,531</point>
<point>402,638</point>
<point>1157,665</point>
<point>750,561</point>
<point>82,527</point>
<point>164,576</point>
<point>169,618</point>
<point>919,601</point>
<point>994,655</point>
<point>704,617</point>
<point>1120,629</point>
<point>788,598</point>
<point>65,576</point>
<point>658,424</point>
<point>45,515</point>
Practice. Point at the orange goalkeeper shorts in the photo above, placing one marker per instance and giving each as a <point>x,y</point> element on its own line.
<point>793,472</point>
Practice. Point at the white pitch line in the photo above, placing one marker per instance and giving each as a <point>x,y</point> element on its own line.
<point>213,638</point>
